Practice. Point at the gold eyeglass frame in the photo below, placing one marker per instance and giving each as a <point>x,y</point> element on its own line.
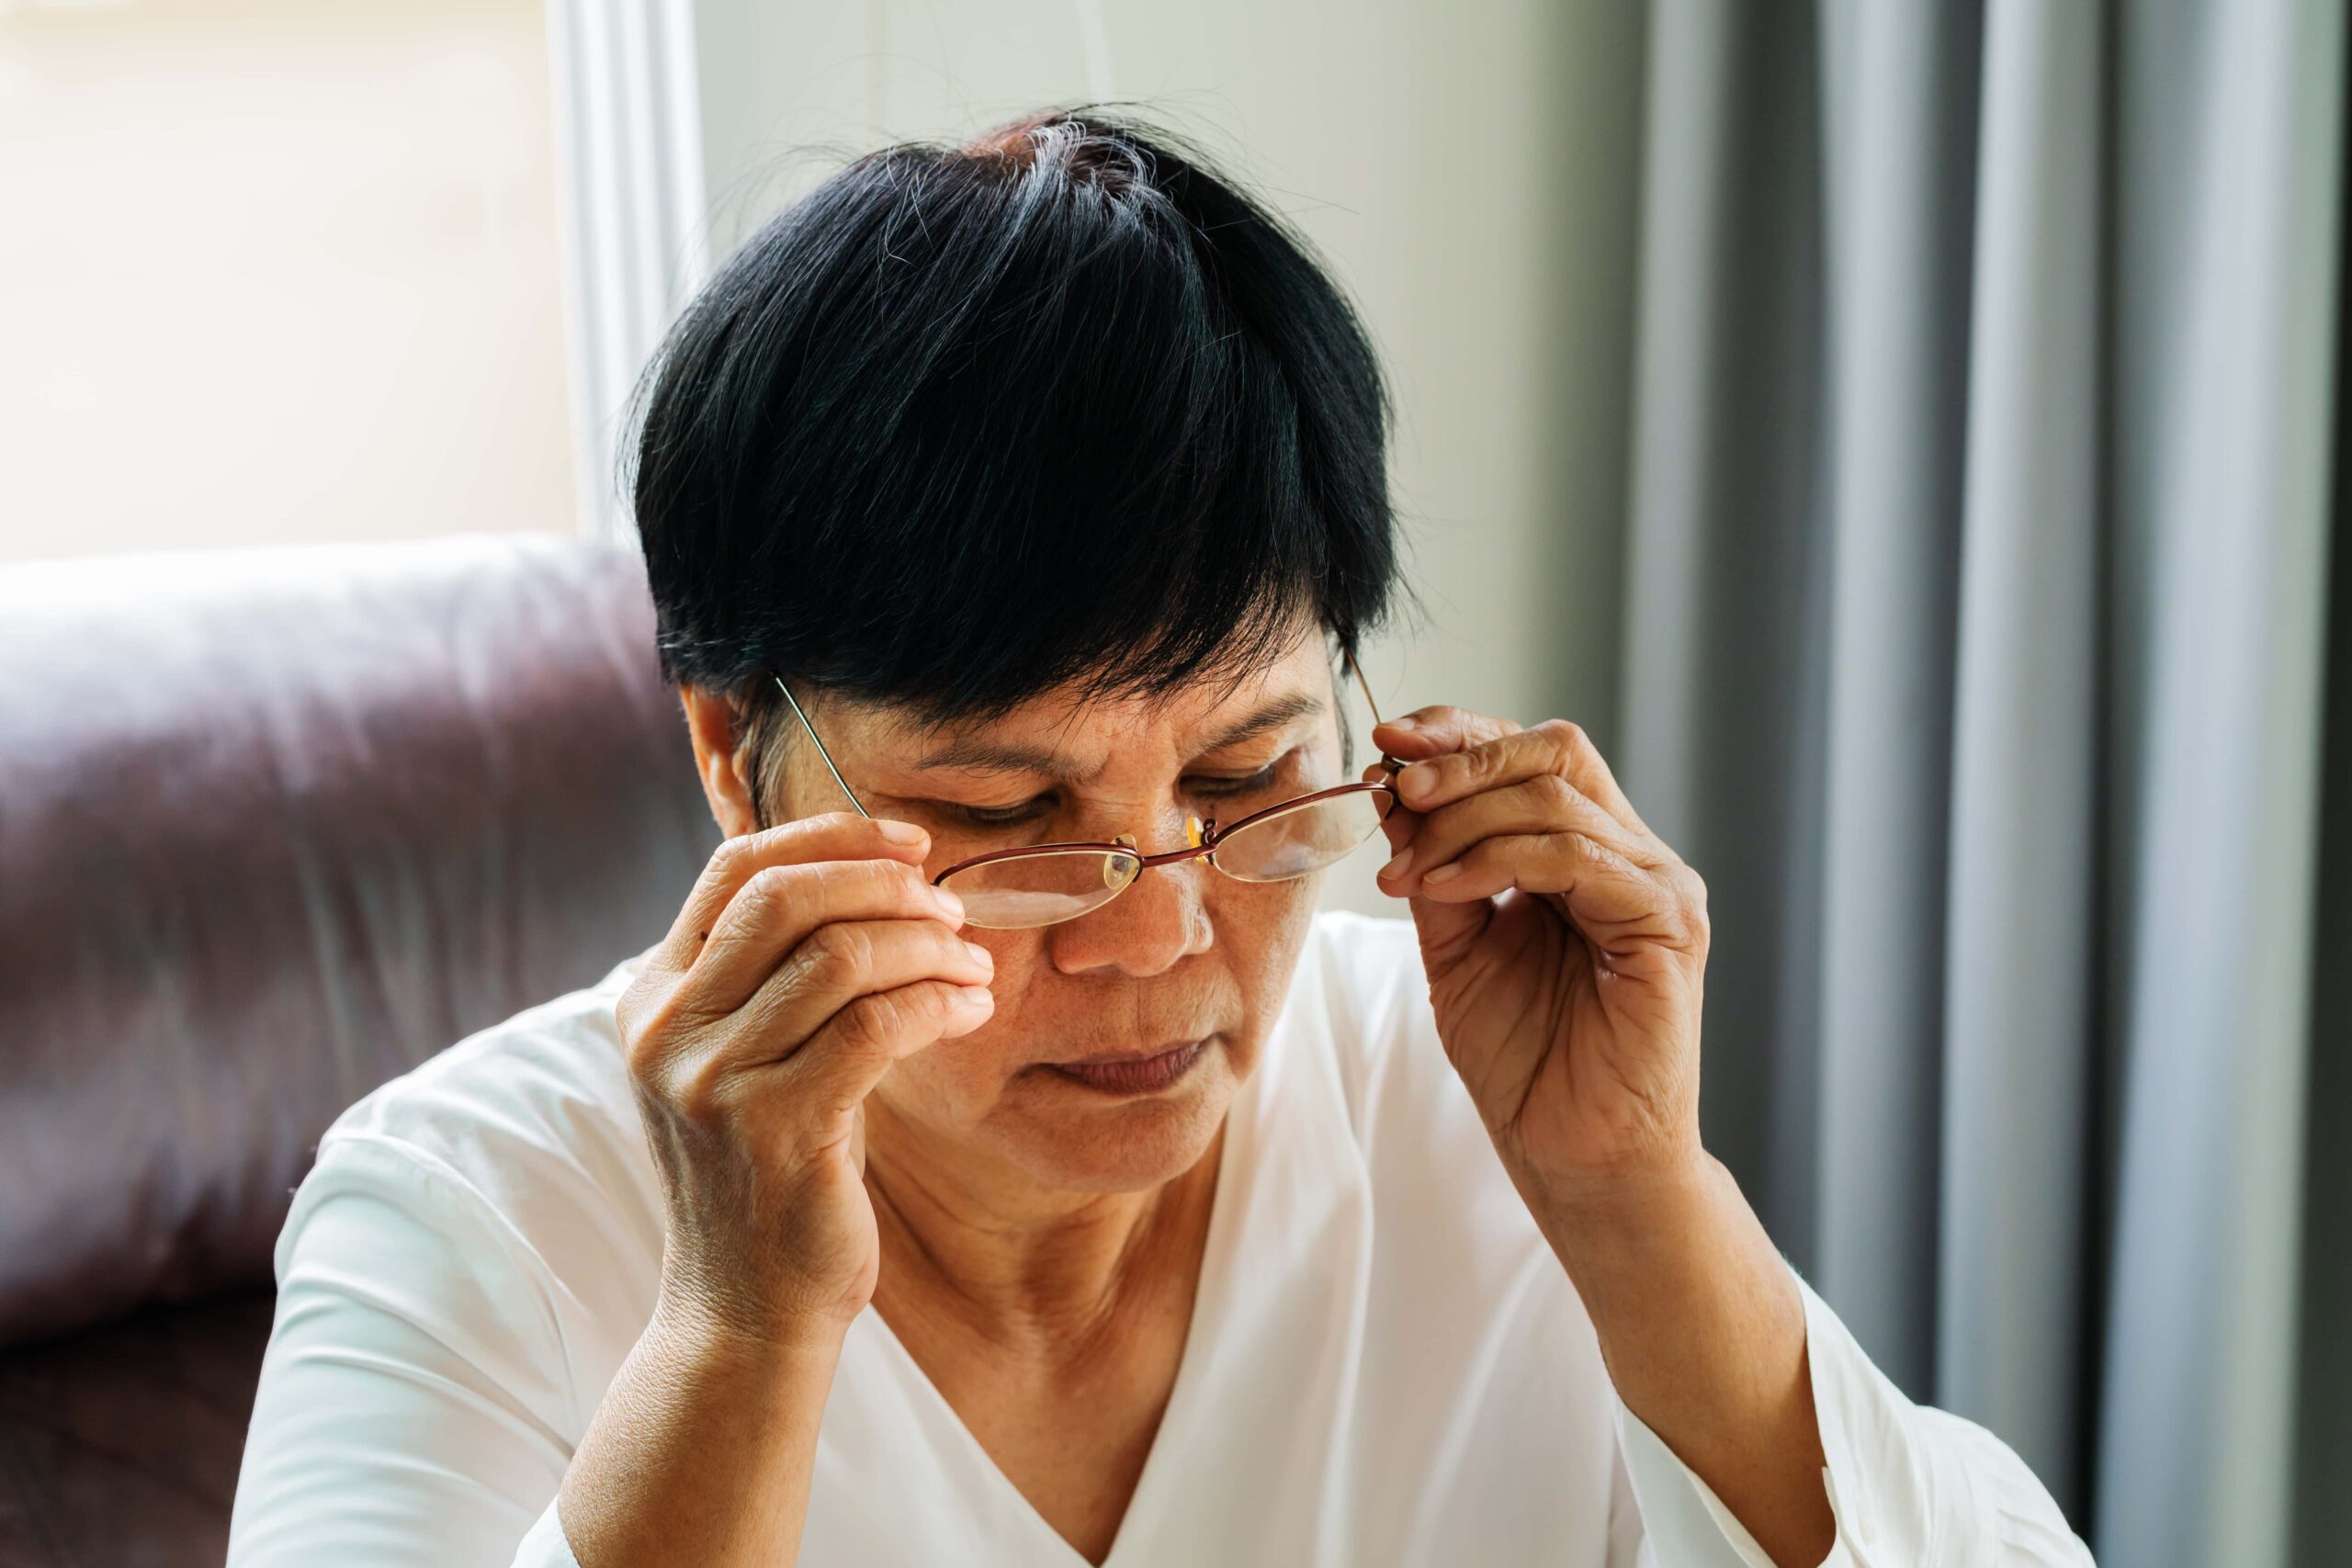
<point>1203,835</point>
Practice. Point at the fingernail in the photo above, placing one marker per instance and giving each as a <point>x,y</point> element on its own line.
<point>1396,868</point>
<point>949,905</point>
<point>980,955</point>
<point>1414,784</point>
<point>901,832</point>
<point>1404,723</point>
<point>1442,874</point>
<point>974,997</point>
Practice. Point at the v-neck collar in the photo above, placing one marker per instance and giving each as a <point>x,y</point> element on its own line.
<point>1211,1293</point>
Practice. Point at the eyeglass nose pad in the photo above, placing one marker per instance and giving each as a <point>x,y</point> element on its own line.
<point>1192,832</point>
<point>1117,871</point>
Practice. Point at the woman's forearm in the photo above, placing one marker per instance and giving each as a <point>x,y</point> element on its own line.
<point>701,1451</point>
<point>1704,1331</point>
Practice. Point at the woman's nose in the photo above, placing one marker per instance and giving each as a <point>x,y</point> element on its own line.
<point>1161,919</point>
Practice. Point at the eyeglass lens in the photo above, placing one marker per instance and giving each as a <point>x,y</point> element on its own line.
<point>1037,890</point>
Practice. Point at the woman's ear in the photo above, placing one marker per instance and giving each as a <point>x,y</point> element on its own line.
<point>717,723</point>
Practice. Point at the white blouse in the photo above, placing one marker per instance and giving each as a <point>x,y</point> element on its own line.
<point>1386,1364</point>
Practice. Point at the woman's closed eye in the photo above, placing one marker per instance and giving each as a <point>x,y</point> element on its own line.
<point>1208,786</point>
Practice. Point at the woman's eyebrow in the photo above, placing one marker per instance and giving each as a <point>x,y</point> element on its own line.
<point>980,755</point>
<point>1274,716</point>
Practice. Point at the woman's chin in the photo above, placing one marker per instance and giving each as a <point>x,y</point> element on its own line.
<point>1115,1137</point>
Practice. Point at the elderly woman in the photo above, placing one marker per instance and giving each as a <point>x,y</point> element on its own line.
<point>1000,1160</point>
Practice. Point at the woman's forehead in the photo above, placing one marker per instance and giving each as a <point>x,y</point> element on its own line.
<point>1064,754</point>
<point>1075,742</point>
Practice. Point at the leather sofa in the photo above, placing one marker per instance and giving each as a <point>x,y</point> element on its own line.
<point>275,826</point>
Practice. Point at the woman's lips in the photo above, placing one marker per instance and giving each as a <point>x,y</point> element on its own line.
<point>1134,1074</point>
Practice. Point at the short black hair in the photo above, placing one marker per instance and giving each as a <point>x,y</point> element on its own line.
<point>1059,407</point>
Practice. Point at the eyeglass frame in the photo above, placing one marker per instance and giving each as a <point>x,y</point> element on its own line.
<point>1204,833</point>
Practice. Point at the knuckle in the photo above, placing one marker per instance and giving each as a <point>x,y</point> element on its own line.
<point>1556,794</point>
<point>1569,735</point>
<point>626,1008</point>
<point>898,877</point>
<point>948,946</point>
<point>767,894</point>
<point>871,1023</point>
<point>735,858</point>
<point>644,1014</point>
<point>1691,901</point>
<point>840,956</point>
<point>1502,747</point>
<point>770,886</point>
<point>696,1091</point>
<point>936,1007</point>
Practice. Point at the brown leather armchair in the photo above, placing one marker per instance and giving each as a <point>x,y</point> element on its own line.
<point>275,826</point>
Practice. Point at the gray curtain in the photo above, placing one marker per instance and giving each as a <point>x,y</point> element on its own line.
<point>1984,376</point>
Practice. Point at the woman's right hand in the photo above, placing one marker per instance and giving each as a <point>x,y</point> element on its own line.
<point>809,957</point>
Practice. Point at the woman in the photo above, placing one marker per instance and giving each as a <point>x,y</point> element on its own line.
<point>1101,1204</point>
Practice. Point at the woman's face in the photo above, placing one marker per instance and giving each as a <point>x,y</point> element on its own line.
<point>1184,953</point>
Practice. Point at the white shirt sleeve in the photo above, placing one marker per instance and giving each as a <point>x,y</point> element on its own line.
<point>1908,1483</point>
<point>413,1404</point>
<point>546,1547</point>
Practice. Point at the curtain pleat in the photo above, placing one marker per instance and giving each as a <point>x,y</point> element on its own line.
<point>1984,379</point>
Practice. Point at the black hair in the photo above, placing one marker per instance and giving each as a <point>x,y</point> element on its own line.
<point>1058,408</point>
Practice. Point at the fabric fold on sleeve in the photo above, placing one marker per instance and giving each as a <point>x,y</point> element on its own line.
<point>413,1408</point>
<point>546,1545</point>
<point>1908,1483</point>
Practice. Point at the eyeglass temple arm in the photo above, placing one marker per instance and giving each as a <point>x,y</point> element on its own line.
<point>820,749</point>
<point>1376,720</point>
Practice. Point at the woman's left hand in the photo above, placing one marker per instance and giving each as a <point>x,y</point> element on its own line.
<point>1566,947</point>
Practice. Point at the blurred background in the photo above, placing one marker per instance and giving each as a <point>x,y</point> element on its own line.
<point>1903,436</point>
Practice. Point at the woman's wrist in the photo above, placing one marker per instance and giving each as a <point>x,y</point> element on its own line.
<point>694,1323</point>
<point>1629,1206</point>
<point>1658,1245</point>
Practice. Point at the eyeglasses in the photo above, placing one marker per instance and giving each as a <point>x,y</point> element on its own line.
<point>1039,884</point>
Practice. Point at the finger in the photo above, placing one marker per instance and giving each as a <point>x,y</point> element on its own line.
<point>1625,911</point>
<point>832,835</point>
<point>1556,746</point>
<point>1425,733</point>
<point>1590,772</point>
<point>838,964</point>
<point>782,907</point>
<point>1545,802</point>
<point>1438,728</point>
<point>840,1065</point>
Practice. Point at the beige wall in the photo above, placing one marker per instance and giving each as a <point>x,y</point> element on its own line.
<point>276,271</point>
<point>1463,165</point>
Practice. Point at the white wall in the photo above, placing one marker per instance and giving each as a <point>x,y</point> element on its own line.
<point>1466,169</point>
<point>275,273</point>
